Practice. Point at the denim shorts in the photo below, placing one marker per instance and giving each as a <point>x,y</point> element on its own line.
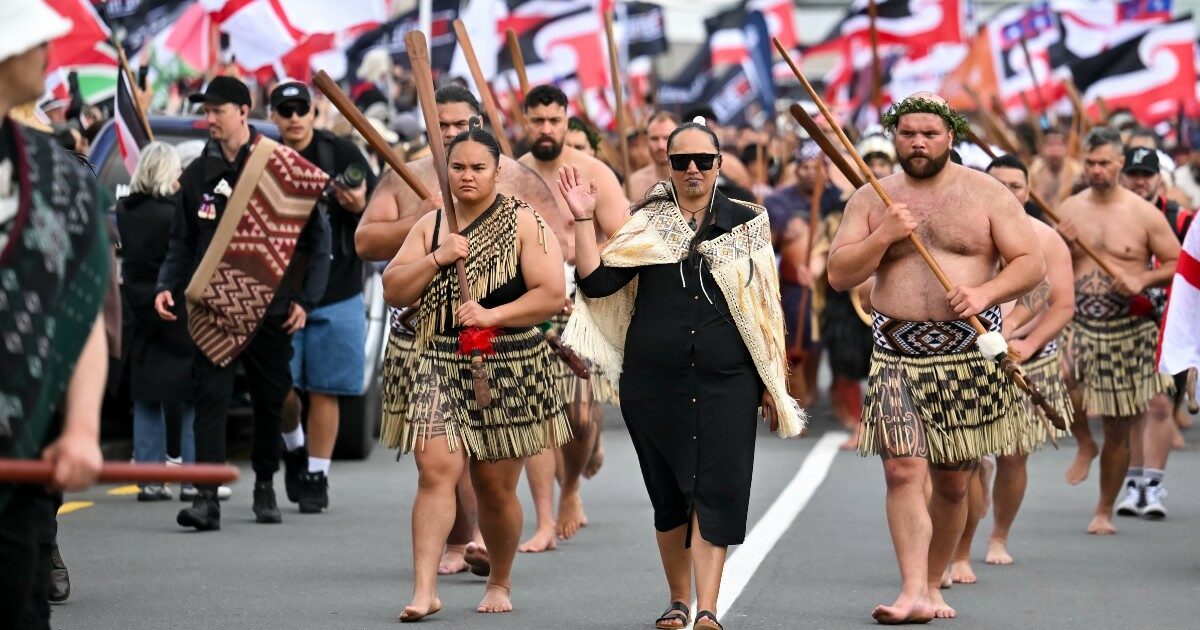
<point>329,352</point>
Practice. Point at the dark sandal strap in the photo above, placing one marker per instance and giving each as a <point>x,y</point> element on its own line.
<point>675,607</point>
<point>705,613</point>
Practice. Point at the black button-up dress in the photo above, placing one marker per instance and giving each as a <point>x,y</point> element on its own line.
<point>689,390</point>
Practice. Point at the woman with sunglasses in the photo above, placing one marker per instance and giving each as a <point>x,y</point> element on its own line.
<point>698,341</point>
<point>515,270</point>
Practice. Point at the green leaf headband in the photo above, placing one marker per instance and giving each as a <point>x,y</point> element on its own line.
<point>910,105</point>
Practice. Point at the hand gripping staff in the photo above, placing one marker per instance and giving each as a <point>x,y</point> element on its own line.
<point>988,343</point>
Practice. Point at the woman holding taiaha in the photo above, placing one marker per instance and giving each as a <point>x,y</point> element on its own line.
<point>684,304</point>
<point>515,273</point>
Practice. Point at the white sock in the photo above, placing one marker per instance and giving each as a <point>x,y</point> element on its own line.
<point>294,439</point>
<point>319,464</point>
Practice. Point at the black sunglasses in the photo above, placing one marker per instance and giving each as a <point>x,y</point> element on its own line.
<point>287,109</point>
<point>704,161</point>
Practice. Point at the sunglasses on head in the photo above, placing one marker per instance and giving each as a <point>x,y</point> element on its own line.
<point>704,161</point>
<point>286,110</point>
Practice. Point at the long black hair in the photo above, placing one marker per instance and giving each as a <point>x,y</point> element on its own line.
<point>476,133</point>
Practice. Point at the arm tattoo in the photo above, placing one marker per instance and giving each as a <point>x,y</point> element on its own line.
<point>1037,297</point>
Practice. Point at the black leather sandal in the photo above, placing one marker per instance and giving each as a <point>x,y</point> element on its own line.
<point>677,611</point>
<point>706,617</point>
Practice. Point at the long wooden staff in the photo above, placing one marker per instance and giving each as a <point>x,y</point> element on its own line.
<point>614,72</point>
<point>518,59</point>
<point>418,56</point>
<point>481,84</point>
<point>36,471</point>
<point>338,98</point>
<point>876,68</point>
<point>814,217</point>
<point>1045,208</point>
<point>818,135</point>
<point>1007,365</point>
<point>1037,87</point>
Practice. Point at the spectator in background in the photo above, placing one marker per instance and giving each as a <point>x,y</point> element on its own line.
<point>1187,176</point>
<point>581,136</point>
<point>160,352</point>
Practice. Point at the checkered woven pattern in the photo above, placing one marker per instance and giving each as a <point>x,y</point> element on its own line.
<point>399,360</point>
<point>1112,361</point>
<point>1030,424</point>
<point>930,338</point>
<point>1047,350</point>
<point>526,414</point>
<point>1101,306</point>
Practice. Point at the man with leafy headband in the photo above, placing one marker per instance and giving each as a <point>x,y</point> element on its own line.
<point>935,404</point>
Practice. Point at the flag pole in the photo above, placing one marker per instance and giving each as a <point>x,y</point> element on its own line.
<point>1037,87</point>
<point>133,86</point>
<point>876,69</point>
<point>619,98</point>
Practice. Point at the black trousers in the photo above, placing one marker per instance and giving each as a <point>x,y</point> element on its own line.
<point>268,376</point>
<point>27,531</point>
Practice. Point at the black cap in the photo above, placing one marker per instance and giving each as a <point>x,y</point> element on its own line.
<point>290,91</point>
<point>1141,160</point>
<point>223,90</point>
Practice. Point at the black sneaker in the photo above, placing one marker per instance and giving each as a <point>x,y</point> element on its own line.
<point>60,580</point>
<point>314,493</point>
<point>295,465</point>
<point>205,513</point>
<point>265,509</point>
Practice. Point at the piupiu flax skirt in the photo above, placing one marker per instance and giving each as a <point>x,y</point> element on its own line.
<point>571,388</point>
<point>399,360</point>
<point>1113,362</point>
<point>526,414</point>
<point>1030,424</point>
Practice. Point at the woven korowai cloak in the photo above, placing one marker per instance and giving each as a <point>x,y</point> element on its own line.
<point>742,262</point>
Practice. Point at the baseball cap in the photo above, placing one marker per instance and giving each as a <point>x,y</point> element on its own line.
<point>1141,160</point>
<point>289,91</point>
<point>223,90</point>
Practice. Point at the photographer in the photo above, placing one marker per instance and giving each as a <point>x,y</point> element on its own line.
<point>328,354</point>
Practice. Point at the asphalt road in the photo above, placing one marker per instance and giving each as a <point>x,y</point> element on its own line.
<point>132,567</point>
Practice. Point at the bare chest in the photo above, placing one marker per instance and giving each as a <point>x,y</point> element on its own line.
<point>1116,233</point>
<point>949,223</point>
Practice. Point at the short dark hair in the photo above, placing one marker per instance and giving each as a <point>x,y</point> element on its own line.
<point>694,125</point>
<point>475,134</point>
<point>456,94</point>
<point>1144,132</point>
<point>1100,136</point>
<point>545,95</point>
<point>1008,160</point>
<point>577,124</point>
<point>701,110</point>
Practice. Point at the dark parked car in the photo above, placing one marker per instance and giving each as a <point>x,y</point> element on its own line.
<point>360,415</point>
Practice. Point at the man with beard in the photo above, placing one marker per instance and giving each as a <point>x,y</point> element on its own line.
<point>1111,343</point>
<point>1052,173</point>
<point>1152,436</point>
<point>391,213</point>
<point>935,404</point>
<point>659,169</point>
<point>546,127</point>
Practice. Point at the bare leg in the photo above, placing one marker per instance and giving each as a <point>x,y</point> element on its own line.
<point>677,563</point>
<point>948,516</point>
<point>323,417</point>
<point>960,566</point>
<point>1114,461</point>
<point>438,471</point>
<point>847,395</point>
<point>1159,434</point>
<point>575,456</point>
<point>811,365</point>
<point>1086,449</point>
<point>709,562</point>
<point>1011,480</point>
<point>908,521</point>
<point>464,530</point>
<point>500,521</point>
<point>596,459</point>
<point>540,470</point>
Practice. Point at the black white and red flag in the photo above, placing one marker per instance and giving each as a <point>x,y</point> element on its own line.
<point>726,39</point>
<point>689,83</point>
<point>641,28</point>
<point>132,134</point>
<point>917,24</point>
<point>391,36</point>
<point>557,38</point>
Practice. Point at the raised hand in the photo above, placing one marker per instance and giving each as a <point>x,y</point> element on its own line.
<point>580,197</point>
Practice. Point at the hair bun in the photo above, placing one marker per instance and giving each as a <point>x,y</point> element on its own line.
<point>474,122</point>
<point>699,120</point>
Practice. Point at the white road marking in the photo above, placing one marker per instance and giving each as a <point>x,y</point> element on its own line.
<point>740,566</point>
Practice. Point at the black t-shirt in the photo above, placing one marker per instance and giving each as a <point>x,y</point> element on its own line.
<point>334,155</point>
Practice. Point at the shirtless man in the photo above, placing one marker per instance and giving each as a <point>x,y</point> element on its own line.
<point>1111,344</point>
<point>391,213</point>
<point>1032,329</point>
<point>1053,173</point>
<point>546,116</point>
<point>659,169</point>
<point>916,415</point>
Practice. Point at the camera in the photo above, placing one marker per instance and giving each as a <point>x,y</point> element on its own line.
<point>349,179</point>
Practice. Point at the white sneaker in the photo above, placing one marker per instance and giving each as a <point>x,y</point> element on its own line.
<point>223,493</point>
<point>1131,504</point>
<point>1155,509</point>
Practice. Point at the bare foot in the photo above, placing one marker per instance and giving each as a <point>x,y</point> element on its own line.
<point>851,443</point>
<point>495,600</point>
<point>452,560</point>
<point>941,609</point>
<point>1079,469</point>
<point>595,462</point>
<point>1101,525</point>
<point>1177,440</point>
<point>570,514</point>
<point>961,573</point>
<point>543,540</point>
<point>477,558</point>
<point>905,610</point>
<point>419,609</point>
<point>997,552</point>
<point>946,581</point>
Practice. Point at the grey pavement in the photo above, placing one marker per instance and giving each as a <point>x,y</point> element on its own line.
<point>132,567</point>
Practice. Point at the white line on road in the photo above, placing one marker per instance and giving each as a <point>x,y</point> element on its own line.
<point>745,561</point>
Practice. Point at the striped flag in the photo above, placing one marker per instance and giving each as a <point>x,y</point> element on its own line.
<point>132,134</point>
<point>1179,347</point>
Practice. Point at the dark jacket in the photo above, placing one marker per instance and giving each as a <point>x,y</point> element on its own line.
<point>159,352</point>
<point>191,235</point>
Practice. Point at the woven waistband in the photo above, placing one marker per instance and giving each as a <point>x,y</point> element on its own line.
<point>1110,306</point>
<point>1046,351</point>
<point>930,338</point>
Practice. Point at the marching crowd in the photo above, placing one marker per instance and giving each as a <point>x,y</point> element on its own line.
<point>697,290</point>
